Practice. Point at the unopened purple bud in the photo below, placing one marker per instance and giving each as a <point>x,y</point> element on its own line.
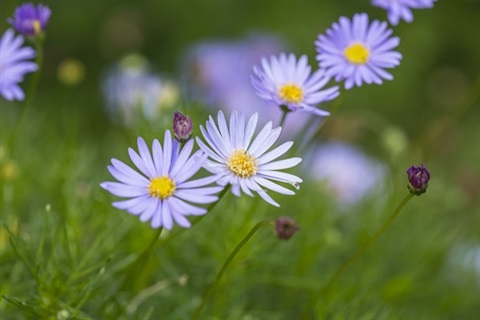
<point>30,20</point>
<point>285,227</point>
<point>182,126</point>
<point>418,178</point>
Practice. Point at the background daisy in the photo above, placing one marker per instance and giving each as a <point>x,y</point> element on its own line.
<point>284,81</point>
<point>238,159</point>
<point>161,192</point>
<point>358,52</point>
<point>401,9</point>
<point>14,65</point>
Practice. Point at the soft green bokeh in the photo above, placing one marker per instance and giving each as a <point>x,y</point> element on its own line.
<point>75,247</point>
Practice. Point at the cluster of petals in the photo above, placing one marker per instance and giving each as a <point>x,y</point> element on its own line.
<point>174,164</point>
<point>286,72</point>
<point>358,51</point>
<point>14,64</point>
<point>401,9</point>
<point>30,20</point>
<point>227,143</point>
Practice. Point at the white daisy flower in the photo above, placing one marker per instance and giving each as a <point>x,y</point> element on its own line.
<point>238,159</point>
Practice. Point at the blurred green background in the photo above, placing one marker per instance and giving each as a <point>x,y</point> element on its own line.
<point>427,266</point>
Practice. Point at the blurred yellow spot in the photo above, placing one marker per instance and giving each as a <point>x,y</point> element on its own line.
<point>242,163</point>
<point>357,53</point>
<point>9,170</point>
<point>161,187</point>
<point>169,95</point>
<point>71,71</point>
<point>37,28</point>
<point>291,93</point>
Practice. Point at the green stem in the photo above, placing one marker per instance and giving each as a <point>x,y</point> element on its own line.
<point>358,253</point>
<point>284,115</point>
<point>227,262</point>
<point>30,94</point>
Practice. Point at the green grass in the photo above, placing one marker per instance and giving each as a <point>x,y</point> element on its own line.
<point>66,253</point>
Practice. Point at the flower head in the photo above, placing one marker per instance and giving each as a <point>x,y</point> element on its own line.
<point>244,163</point>
<point>14,65</point>
<point>401,9</point>
<point>285,82</point>
<point>358,52</point>
<point>30,20</point>
<point>285,227</point>
<point>182,126</point>
<point>418,178</point>
<point>133,92</point>
<point>161,191</point>
<point>347,174</point>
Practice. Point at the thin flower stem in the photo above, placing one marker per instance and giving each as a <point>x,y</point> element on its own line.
<point>30,94</point>
<point>284,116</point>
<point>357,254</point>
<point>232,255</point>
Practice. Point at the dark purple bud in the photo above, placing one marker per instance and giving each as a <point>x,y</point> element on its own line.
<point>418,178</point>
<point>31,20</point>
<point>285,227</point>
<point>182,126</point>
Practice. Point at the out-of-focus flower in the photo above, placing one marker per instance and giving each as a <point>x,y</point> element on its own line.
<point>71,71</point>
<point>133,92</point>
<point>418,178</point>
<point>401,9</point>
<point>243,163</point>
<point>285,227</point>
<point>348,173</point>
<point>218,75</point>
<point>182,126</point>
<point>14,65</point>
<point>30,20</point>
<point>285,82</point>
<point>162,192</point>
<point>358,52</point>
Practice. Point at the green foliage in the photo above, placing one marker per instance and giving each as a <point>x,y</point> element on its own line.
<point>65,253</point>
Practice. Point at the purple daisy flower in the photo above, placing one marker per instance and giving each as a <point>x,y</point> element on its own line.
<point>14,65</point>
<point>284,81</point>
<point>161,192</point>
<point>243,162</point>
<point>358,52</point>
<point>401,9</point>
<point>30,20</point>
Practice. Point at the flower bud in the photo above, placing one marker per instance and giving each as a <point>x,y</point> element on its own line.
<point>418,178</point>
<point>285,227</point>
<point>30,20</point>
<point>182,126</point>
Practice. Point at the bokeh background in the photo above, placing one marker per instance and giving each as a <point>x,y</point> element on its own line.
<point>72,247</point>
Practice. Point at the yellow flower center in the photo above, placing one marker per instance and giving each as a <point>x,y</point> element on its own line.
<point>37,28</point>
<point>161,187</point>
<point>242,163</point>
<point>291,93</point>
<point>357,53</point>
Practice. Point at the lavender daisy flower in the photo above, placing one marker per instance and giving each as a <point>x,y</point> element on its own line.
<point>30,20</point>
<point>161,192</point>
<point>357,52</point>
<point>14,65</point>
<point>401,9</point>
<point>243,163</point>
<point>285,82</point>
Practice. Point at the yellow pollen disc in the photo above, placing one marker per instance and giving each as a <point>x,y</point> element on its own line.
<point>357,53</point>
<point>37,28</point>
<point>161,187</point>
<point>291,93</point>
<point>242,163</point>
